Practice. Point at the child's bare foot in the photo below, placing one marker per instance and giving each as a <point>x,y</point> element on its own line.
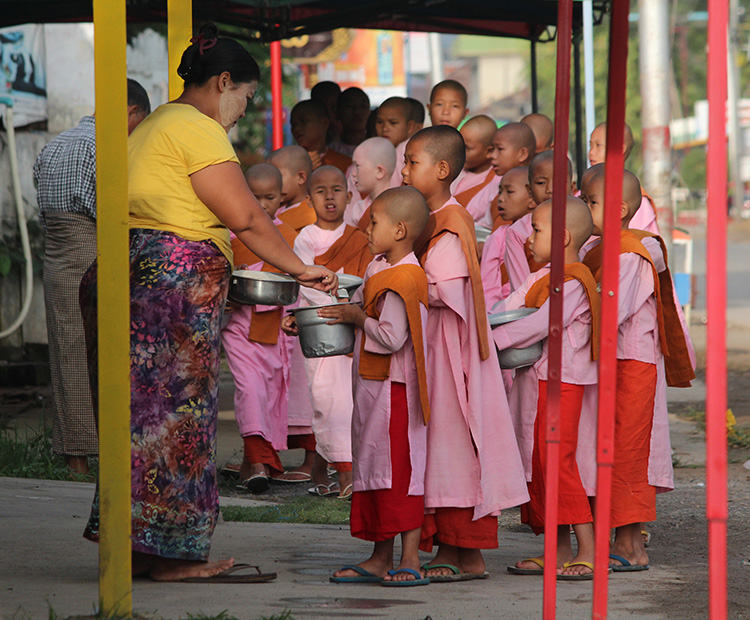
<point>165,569</point>
<point>470,561</point>
<point>375,566</point>
<point>628,544</point>
<point>446,554</point>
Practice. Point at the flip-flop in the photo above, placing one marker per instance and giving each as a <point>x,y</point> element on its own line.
<point>514,570</point>
<point>324,490</point>
<point>625,566</point>
<point>346,493</point>
<point>417,581</point>
<point>363,576</point>
<point>227,576</point>
<point>305,477</point>
<point>646,538</point>
<point>230,471</point>
<point>456,576</point>
<point>257,483</point>
<point>586,577</point>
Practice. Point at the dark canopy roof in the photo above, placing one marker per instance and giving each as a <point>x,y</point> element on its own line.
<point>278,19</point>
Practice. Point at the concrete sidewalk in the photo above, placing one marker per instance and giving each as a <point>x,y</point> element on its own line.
<point>48,565</point>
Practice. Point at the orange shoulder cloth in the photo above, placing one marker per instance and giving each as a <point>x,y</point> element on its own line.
<point>349,252</point>
<point>364,221</point>
<point>410,283</point>
<point>455,219</point>
<point>539,293</point>
<point>336,159</point>
<point>264,326</point>
<point>300,216</point>
<point>466,196</point>
<point>678,368</point>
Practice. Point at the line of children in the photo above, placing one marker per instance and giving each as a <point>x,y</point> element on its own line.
<point>444,483</point>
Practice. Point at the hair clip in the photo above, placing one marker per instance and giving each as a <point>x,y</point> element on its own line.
<point>204,43</point>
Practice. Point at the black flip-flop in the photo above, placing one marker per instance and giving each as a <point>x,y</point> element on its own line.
<point>625,566</point>
<point>228,576</point>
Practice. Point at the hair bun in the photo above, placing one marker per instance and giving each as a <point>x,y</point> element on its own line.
<point>209,31</point>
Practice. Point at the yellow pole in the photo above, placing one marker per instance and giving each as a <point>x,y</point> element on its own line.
<point>110,71</point>
<point>179,32</point>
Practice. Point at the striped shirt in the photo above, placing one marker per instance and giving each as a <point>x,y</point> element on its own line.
<point>65,172</point>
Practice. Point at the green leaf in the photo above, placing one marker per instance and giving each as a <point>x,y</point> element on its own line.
<point>5,264</point>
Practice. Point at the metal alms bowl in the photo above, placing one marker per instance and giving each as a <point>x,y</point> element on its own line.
<point>349,283</point>
<point>516,358</point>
<point>482,232</point>
<point>317,338</point>
<point>260,287</point>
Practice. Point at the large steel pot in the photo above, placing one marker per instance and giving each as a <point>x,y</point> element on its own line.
<point>348,283</point>
<point>516,358</point>
<point>317,338</point>
<point>260,287</point>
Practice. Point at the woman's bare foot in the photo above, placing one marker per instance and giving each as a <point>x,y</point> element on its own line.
<point>251,469</point>
<point>165,569</point>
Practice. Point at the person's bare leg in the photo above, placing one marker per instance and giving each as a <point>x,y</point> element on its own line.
<point>251,469</point>
<point>470,561</point>
<point>564,550</point>
<point>379,563</point>
<point>345,480</point>
<point>167,569</point>
<point>319,471</point>
<point>584,533</point>
<point>78,465</point>
<point>628,544</point>
<point>446,554</point>
<point>409,555</point>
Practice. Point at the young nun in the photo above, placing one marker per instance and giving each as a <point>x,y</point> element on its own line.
<point>374,162</point>
<point>477,183</point>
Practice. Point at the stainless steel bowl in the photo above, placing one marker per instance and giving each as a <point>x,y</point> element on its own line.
<point>260,287</point>
<point>516,358</point>
<point>317,338</point>
<point>350,284</point>
<point>482,232</point>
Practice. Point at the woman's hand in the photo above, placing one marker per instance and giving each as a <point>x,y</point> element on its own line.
<point>289,325</point>
<point>343,313</point>
<point>319,278</point>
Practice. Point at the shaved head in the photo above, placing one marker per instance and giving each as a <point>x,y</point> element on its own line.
<point>481,128</point>
<point>450,85</point>
<point>547,158</point>
<point>521,136</point>
<point>522,172</point>
<point>589,174</point>
<point>293,158</point>
<point>326,170</point>
<point>379,152</point>
<point>628,140</point>
<point>323,91</point>
<point>264,173</point>
<point>405,205</point>
<point>578,220</point>
<point>401,104</point>
<point>543,129</point>
<point>632,194</point>
<point>417,109</point>
<point>316,108</point>
<point>443,143</point>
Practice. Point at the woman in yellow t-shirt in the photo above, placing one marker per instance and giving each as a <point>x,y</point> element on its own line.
<point>186,192</point>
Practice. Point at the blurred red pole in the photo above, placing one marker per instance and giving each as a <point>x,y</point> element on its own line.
<point>277,120</point>
<point>716,296</point>
<point>559,195</point>
<point>618,66</point>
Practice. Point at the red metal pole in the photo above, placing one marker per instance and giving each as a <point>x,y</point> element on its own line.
<point>716,295</point>
<point>559,196</point>
<point>277,120</point>
<point>618,64</point>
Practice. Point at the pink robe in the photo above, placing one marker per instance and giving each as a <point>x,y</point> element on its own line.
<point>645,217</point>
<point>479,205</point>
<point>515,256</point>
<point>372,399</point>
<point>355,210</point>
<point>472,455</point>
<point>396,179</point>
<point>329,378</point>
<point>493,257</point>
<point>577,368</point>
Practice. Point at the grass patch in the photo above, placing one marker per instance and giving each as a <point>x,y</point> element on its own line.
<point>297,510</point>
<point>737,436</point>
<point>28,454</point>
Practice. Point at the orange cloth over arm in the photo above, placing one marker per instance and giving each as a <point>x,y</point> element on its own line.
<point>349,253</point>
<point>410,283</point>
<point>455,219</point>
<point>334,158</point>
<point>298,217</point>
<point>464,197</point>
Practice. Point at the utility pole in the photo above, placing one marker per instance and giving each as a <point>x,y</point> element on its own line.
<point>655,67</point>
<point>733,81</point>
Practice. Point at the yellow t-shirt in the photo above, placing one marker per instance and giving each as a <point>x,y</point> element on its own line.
<point>164,150</point>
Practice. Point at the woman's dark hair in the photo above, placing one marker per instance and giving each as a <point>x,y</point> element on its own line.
<point>210,55</point>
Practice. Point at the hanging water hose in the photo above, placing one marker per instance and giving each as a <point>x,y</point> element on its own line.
<point>28,266</point>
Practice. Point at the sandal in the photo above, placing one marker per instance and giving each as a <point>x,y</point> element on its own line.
<point>302,476</point>
<point>346,493</point>
<point>257,483</point>
<point>324,490</point>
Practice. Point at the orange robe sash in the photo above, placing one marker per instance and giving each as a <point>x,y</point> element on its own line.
<point>410,283</point>
<point>336,159</point>
<point>300,216</point>
<point>349,252</point>
<point>455,219</point>
<point>464,198</point>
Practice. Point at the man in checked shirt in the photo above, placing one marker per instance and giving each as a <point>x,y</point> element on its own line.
<point>65,177</point>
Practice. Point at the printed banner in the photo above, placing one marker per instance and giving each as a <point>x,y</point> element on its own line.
<point>22,73</point>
